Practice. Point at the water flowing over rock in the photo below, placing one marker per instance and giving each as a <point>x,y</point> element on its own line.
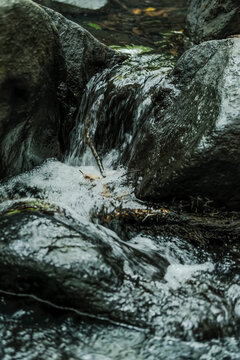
<point>209,20</point>
<point>59,258</point>
<point>88,270</point>
<point>85,267</point>
<point>191,138</point>
<point>180,134</point>
<point>84,56</point>
<point>42,78</point>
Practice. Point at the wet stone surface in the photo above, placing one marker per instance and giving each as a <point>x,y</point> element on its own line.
<point>77,284</point>
<point>74,289</point>
<point>143,22</point>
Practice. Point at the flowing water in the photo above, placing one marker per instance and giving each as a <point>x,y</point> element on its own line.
<point>189,294</point>
<point>194,306</point>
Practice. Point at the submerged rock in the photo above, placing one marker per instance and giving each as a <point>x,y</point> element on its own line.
<point>45,63</point>
<point>208,20</point>
<point>73,6</point>
<point>189,144</point>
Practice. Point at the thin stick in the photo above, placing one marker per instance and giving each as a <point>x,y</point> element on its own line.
<point>92,147</point>
<point>118,2</point>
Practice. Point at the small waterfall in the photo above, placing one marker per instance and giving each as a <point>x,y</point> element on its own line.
<point>117,101</point>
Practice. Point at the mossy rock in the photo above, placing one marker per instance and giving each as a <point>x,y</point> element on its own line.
<point>32,206</point>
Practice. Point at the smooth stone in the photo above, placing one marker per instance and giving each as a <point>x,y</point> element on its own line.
<point>74,6</point>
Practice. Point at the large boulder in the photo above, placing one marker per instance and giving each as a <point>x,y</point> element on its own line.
<point>45,63</point>
<point>29,76</point>
<point>78,265</point>
<point>189,143</point>
<point>216,19</point>
<point>84,55</point>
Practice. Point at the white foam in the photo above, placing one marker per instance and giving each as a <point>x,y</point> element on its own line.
<point>178,274</point>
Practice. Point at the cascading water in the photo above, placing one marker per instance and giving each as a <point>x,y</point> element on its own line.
<point>183,300</point>
<point>117,101</point>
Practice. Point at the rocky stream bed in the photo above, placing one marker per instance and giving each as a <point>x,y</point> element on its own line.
<point>119,190</point>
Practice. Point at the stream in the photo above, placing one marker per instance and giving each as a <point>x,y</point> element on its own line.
<point>196,304</point>
<point>178,299</point>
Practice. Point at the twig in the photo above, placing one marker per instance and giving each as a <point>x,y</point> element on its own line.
<point>92,147</point>
<point>118,2</point>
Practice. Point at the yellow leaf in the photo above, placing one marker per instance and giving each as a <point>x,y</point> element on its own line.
<point>137,11</point>
<point>89,177</point>
<point>150,9</point>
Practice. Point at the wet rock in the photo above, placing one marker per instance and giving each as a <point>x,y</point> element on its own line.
<point>127,90</point>
<point>82,265</point>
<point>88,270</point>
<point>45,63</point>
<point>189,143</point>
<point>208,20</point>
<point>179,136</point>
<point>73,6</point>
<point>29,63</point>
<point>84,55</point>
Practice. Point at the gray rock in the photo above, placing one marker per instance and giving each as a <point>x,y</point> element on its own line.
<point>208,20</point>
<point>81,266</point>
<point>177,131</point>
<point>45,63</point>
<point>83,54</point>
<point>88,269</point>
<point>73,6</point>
<point>190,140</point>
<point>29,65</point>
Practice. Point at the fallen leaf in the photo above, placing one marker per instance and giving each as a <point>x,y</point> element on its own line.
<point>150,9</point>
<point>90,177</point>
<point>137,11</point>
<point>161,13</point>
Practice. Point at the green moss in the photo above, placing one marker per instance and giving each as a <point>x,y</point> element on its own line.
<point>31,206</point>
<point>12,212</point>
<point>95,26</point>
